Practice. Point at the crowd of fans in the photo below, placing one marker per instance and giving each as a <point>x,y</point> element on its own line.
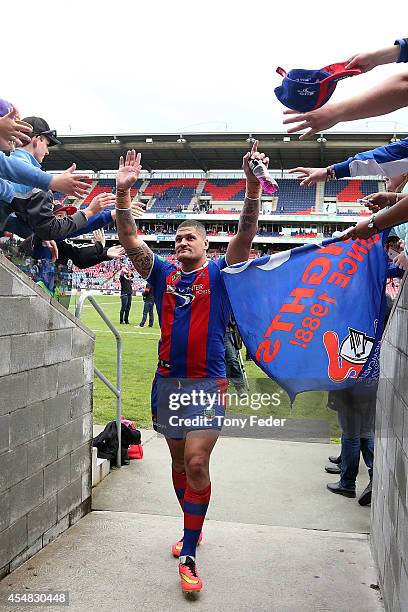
<point>46,253</point>
<point>390,209</point>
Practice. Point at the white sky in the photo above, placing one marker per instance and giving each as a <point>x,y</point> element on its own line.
<point>98,67</point>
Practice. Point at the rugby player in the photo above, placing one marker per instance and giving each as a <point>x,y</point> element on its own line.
<point>193,310</point>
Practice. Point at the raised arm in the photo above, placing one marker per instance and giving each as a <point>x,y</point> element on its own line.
<point>392,95</point>
<point>388,217</point>
<point>390,160</point>
<point>240,246</point>
<point>369,60</point>
<point>138,252</point>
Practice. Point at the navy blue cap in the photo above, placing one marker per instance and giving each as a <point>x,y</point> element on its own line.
<point>403,55</point>
<point>305,90</point>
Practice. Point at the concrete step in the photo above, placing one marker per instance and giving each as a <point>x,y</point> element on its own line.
<point>100,467</point>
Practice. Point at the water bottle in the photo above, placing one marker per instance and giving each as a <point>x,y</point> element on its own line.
<point>269,185</point>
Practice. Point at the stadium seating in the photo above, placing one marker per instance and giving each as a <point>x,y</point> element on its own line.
<point>108,186</point>
<point>225,189</point>
<point>160,186</point>
<point>293,199</point>
<point>172,197</point>
<point>168,193</point>
<point>350,190</point>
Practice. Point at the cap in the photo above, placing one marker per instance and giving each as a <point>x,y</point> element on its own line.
<point>70,210</point>
<point>306,90</point>
<point>41,128</point>
<point>5,107</point>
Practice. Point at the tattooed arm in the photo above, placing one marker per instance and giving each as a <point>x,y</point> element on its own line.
<point>138,252</point>
<point>240,246</point>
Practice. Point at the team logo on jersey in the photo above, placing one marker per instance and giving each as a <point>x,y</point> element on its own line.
<point>184,293</point>
<point>346,360</point>
<point>176,276</point>
<point>209,412</point>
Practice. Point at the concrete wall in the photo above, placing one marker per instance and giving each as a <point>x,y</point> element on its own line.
<point>389,513</point>
<point>46,373</point>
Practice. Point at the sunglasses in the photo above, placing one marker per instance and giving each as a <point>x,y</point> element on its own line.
<point>48,134</point>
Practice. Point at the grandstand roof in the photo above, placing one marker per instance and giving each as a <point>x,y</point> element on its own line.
<point>213,151</point>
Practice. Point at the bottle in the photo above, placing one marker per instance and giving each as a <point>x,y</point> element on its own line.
<point>269,185</point>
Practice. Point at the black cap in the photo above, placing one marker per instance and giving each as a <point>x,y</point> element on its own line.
<point>41,128</point>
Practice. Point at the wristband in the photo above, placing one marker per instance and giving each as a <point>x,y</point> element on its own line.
<point>403,56</point>
<point>330,173</point>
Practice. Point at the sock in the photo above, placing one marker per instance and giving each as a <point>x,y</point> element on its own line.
<point>195,509</point>
<point>179,484</point>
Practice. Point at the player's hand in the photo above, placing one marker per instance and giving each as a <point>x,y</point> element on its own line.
<point>359,231</point>
<point>315,121</point>
<point>52,245</point>
<point>99,236</point>
<point>253,154</point>
<point>116,252</point>
<point>129,170</point>
<point>69,183</point>
<point>12,133</point>
<point>310,176</point>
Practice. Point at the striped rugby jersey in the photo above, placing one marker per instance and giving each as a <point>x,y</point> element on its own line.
<point>193,310</point>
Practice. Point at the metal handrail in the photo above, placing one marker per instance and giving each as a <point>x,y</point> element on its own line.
<point>117,391</point>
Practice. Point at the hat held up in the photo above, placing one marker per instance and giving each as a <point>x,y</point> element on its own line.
<point>305,90</point>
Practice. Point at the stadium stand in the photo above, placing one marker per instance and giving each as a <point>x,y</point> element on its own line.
<point>172,198</point>
<point>225,189</point>
<point>293,200</point>
<point>175,195</point>
<point>106,186</point>
<point>350,191</point>
<point>158,186</point>
<point>169,193</point>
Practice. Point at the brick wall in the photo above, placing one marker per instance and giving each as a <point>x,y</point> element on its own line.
<point>389,512</point>
<point>46,373</point>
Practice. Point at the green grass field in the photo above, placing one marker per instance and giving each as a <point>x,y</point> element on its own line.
<point>139,364</point>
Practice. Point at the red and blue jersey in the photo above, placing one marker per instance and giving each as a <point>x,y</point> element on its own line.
<point>193,310</point>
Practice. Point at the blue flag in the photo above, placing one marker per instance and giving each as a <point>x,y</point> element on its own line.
<point>312,317</point>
